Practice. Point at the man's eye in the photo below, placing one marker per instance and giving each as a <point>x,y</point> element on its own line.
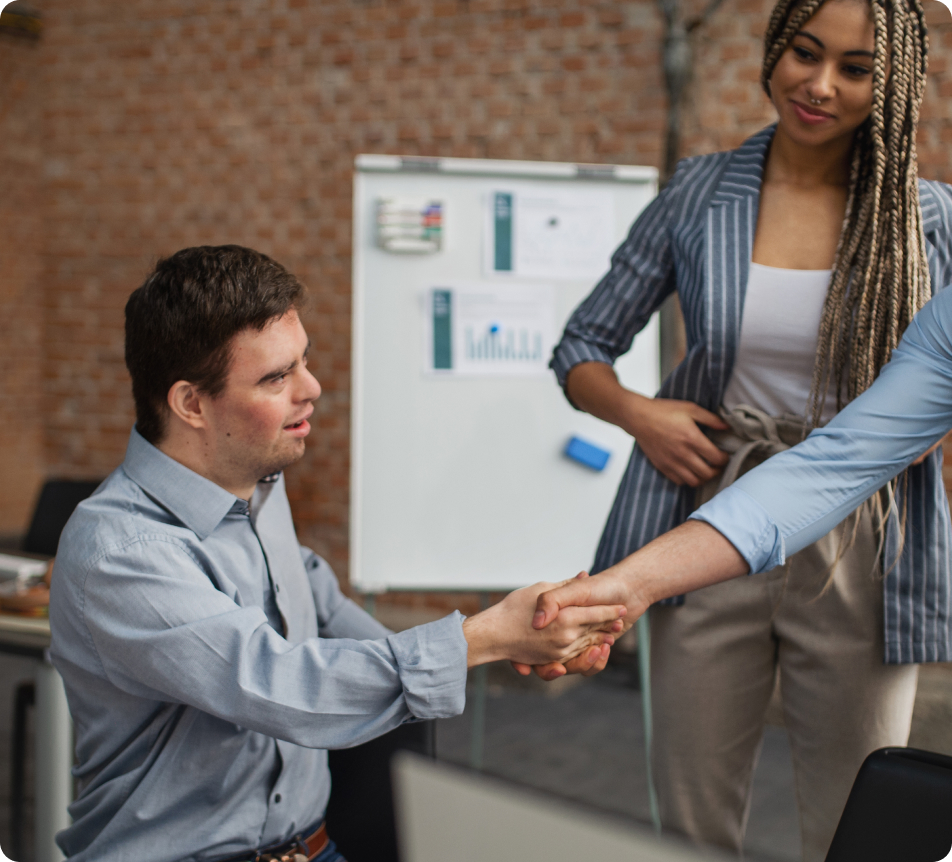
<point>279,379</point>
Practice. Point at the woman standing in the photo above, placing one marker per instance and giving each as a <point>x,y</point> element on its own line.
<point>798,259</point>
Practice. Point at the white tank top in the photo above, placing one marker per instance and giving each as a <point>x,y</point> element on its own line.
<point>773,370</point>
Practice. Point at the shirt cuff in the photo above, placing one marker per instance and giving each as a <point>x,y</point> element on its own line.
<point>574,351</point>
<point>747,526</point>
<point>431,661</point>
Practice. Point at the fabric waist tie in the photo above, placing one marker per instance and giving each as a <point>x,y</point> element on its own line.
<point>753,437</point>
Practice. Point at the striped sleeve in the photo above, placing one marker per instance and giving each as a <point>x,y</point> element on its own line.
<point>642,275</point>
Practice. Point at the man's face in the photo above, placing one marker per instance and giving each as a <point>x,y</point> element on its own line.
<point>259,422</point>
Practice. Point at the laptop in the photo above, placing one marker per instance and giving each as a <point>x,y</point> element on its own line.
<point>448,814</point>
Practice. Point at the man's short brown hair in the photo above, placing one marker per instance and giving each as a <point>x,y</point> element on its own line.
<point>181,321</point>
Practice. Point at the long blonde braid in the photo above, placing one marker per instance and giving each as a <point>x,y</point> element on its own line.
<point>880,274</point>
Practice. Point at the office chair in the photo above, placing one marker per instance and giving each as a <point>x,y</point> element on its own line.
<point>57,500</point>
<point>899,810</point>
<point>360,815</point>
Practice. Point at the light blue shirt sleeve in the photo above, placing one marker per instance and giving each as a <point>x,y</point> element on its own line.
<point>799,495</point>
<point>339,617</point>
<point>183,642</point>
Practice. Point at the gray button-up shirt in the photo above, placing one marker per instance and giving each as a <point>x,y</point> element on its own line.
<point>209,661</point>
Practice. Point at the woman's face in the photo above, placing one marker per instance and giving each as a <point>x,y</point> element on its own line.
<point>822,86</point>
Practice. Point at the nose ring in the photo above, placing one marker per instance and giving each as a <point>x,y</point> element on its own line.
<point>815,101</point>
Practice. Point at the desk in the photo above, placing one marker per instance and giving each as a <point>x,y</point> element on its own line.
<point>30,636</point>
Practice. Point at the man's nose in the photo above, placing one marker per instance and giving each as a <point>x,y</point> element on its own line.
<point>311,389</point>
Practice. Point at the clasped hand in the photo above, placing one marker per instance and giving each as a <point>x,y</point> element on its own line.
<point>505,631</point>
<point>568,598</point>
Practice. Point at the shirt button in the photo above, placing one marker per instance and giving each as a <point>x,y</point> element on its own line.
<point>277,588</point>
<point>277,797</point>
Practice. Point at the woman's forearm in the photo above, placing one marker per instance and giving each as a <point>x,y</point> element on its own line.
<point>687,558</point>
<point>594,387</point>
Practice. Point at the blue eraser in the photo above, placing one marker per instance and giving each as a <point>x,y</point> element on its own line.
<point>587,453</point>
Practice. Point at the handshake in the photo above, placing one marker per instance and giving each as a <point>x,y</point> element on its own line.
<point>570,627</point>
<point>552,628</point>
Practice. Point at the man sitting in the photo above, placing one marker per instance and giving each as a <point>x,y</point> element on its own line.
<point>209,659</point>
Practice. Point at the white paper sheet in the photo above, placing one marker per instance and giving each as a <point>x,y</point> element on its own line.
<point>490,330</point>
<point>540,233</point>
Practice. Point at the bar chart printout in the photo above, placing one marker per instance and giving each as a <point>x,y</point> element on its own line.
<point>490,330</point>
<point>496,344</point>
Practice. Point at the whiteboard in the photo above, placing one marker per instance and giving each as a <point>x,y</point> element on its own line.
<point>460,482</point>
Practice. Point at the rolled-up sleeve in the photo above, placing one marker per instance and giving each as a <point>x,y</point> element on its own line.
<point>160,630</point>
<point>801,494</point>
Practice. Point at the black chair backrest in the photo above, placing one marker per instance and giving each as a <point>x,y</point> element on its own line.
<point>56,503</point>
<point>899,810</point>
<point>360,816</point>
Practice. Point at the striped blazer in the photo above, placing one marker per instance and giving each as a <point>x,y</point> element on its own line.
<point>697,237</point>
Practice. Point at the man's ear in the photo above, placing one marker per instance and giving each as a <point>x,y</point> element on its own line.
<point>188,404</point>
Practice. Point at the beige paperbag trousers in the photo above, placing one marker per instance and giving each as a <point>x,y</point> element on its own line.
<point>714,666</point>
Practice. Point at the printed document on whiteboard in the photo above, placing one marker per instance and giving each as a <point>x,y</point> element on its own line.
<point>550,234</point>
<point>490,330</point>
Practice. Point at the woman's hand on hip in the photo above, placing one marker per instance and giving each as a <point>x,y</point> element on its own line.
<point>667,432</point>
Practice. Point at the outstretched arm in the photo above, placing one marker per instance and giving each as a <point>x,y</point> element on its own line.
<point>687,558</point>
<point>799,495</point>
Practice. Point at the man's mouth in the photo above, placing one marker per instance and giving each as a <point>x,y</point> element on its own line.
<point>301,426</point>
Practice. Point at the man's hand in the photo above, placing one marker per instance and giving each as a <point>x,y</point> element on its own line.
<point>504,631</point>
<point>589,662</point>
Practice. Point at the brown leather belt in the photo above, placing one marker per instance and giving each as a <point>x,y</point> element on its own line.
<point>297,849</point>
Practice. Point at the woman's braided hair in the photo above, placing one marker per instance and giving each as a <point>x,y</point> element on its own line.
<point>880,273</point>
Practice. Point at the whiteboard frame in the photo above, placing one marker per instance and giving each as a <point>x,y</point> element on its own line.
<point>375,163</point>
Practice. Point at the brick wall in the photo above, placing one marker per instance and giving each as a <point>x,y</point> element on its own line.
<point>178,122</point>
<point>167,124</point>
<point>21,430</point>
<point>728,103</point>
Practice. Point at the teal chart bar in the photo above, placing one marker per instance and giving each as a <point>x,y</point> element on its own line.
<point>442,329</point>
<point>502,213</point>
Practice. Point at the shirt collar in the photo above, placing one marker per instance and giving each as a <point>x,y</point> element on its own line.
<point>197,502</point>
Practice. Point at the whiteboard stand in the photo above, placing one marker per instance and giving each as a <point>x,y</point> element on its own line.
<point>370,604</point>
<point>477,732</point>
<point>644,674</point>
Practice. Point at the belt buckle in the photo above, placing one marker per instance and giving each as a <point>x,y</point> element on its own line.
<point>302,847</point>
<point>297,849</point>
